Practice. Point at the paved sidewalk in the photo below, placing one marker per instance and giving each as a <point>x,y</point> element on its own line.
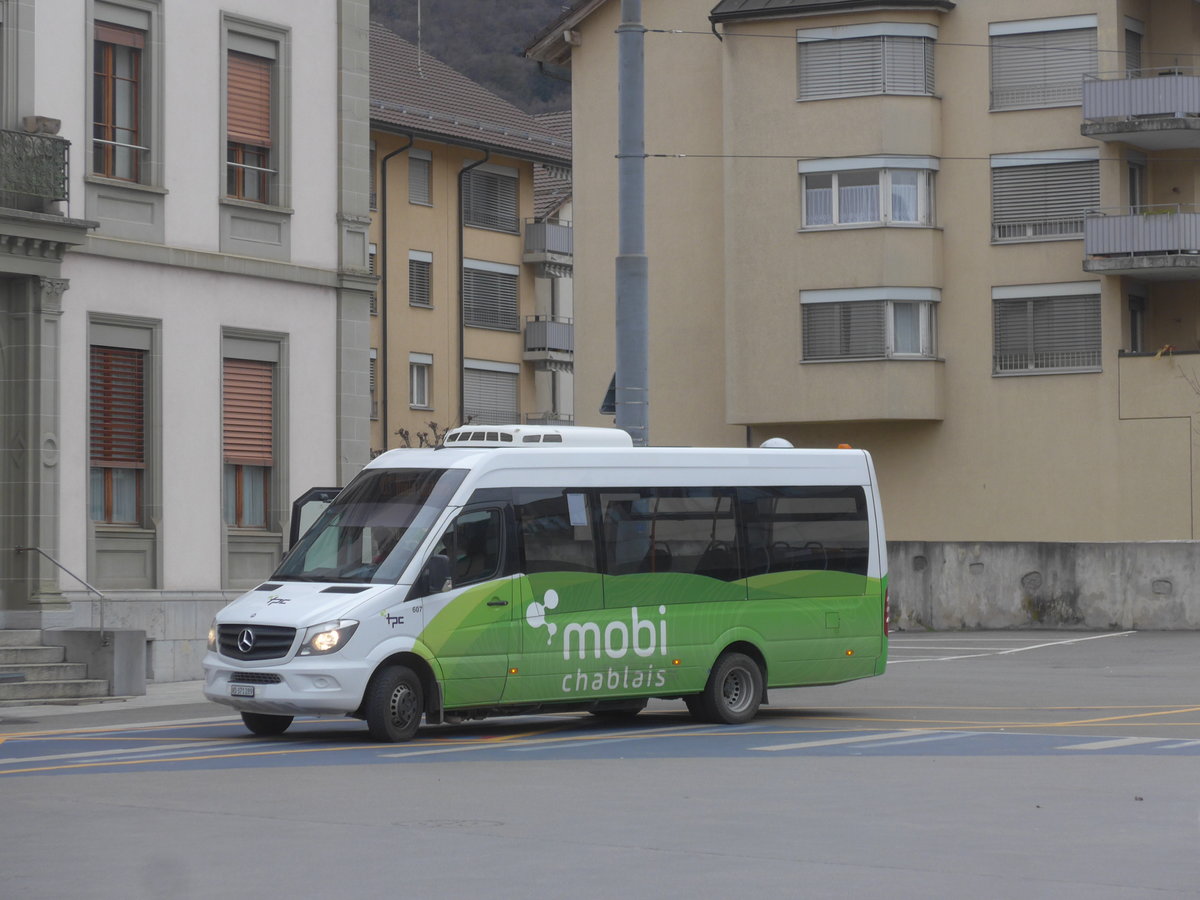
<point>176,693</point>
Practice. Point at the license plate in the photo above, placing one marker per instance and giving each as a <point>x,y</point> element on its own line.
<point>241,690</point>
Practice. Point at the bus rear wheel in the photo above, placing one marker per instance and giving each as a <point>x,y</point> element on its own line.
<point>394,704</point>
<point>266,725</point>
<point>734,690</point>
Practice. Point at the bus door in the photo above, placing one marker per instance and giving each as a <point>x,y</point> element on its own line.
<point>561,599</point>
<point>807,550</point>
<point>469,605</point>
<point>673,581</point>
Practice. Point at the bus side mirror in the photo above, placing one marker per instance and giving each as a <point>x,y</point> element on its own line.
<point>435,577</point>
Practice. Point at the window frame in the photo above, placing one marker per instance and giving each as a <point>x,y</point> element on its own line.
<point>872,73</point>
<point>491,295</point>
<point>885,169</point>
<point>491,198</point>
<point>1035,299</point>
<point>886,300</point>
<point>118,421</point>
<point>1035,38</point>
<point>1051,178</point>
<point>420,381</point>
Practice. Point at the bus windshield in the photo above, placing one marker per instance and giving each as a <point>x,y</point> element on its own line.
<point>370,532</point>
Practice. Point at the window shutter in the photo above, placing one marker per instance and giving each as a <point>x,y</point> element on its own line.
<point>907,65</point>
<point>1043,200</point>
<point>490,300</point>
<point>840,68</point>
<point>1046,333</point>
<point>1133,52</point>
<point>118,426</point>
<point>418,181</point>
<point>490,398</point>
<point>249,100</point>
<point>845,330</point>
<point>1041,68</point>
<point>419,283</point>
<point>490,201</point>
<point>248,412</point>
<point>117,34</point>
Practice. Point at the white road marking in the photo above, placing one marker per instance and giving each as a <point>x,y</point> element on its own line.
<point>833,742</point>
<point>1108,745</point>
<point>1092,637</point>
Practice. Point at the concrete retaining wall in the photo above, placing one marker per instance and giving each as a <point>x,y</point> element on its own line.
<point>1148,586</point>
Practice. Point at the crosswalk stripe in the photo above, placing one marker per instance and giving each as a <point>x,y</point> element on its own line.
<point>834,742</point>
<point>1109,745</point>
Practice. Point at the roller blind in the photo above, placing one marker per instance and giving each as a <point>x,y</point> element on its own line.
<point>419,283</point>
<point>855,330</point>
<point>490,201</point>
<point>490,398</point>
<point>1043,200</point>
<point>490,300</point>
<point>118,403</point>
<point>878,64</point>
<point>1041,68</point>
<point>1041,333</point>
<point>249,100</point>
<point>248,412</point>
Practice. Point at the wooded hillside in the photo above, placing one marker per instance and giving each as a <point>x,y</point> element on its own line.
<point>484,39</point>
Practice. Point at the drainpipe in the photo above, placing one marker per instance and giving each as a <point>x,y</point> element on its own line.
<point>462,319</point>
<point>382,382</point>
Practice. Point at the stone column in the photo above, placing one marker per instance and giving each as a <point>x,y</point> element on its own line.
<point>32,598</point>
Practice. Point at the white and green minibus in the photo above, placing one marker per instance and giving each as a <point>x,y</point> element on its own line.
<point>519,569</point>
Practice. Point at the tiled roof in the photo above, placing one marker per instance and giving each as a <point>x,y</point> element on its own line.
<point>727,10</point>
<point>413,93</point>
<point>551,186</point>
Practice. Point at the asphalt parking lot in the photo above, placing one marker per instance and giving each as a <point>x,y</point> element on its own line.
<point>998,764</point>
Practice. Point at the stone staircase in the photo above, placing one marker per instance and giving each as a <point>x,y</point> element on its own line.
<point>31,672</point>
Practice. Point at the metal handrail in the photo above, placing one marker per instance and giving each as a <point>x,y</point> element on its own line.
<point>72,574</point>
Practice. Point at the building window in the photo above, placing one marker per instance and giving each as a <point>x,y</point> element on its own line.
<point>490,392</point>
<point>420,375</point>
<point>373,267</point>
<point>372,383</point>
<point>117,136</point>
<point>420,278</point>
<point>490,295</point>
<point>249,132</point>
<point>420,165</point>
<point>862,192</point>
<point>854,60</point>
<point>869,323</point>
<point>117,400</point>
<point>489,198</point>
<point>248,435</point>
<point>1046,328</point>
<point>1043,196</point>
<point>372,199</point>
<point>1133,46</point>
<point>1041,62</point>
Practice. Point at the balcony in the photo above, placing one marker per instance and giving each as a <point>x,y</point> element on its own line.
<point>1153,242</point>
<point>33,171</point>
<point>550,343</point>
<point>1155,109</point>
<point>550,246</point>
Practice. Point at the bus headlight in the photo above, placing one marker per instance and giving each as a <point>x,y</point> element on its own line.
<point>328,637</point>
<point>212,636</point>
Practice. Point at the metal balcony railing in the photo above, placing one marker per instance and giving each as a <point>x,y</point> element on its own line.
<point>549,237</point>
<point>552,334</point>
<point>33,170</point>
<point>1163,229</point>
<point>1141,93</point>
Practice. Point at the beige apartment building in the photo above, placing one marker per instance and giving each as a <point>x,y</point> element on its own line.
<point>958,234</point>
<point>471,240</point>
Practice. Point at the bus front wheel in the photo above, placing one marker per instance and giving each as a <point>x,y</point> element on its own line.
<point>734,690</point>
<point>394,704</point>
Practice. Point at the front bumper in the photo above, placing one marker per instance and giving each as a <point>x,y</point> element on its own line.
<point>317,686</point>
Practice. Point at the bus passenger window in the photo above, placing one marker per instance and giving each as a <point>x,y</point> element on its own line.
<point>476,547</point>
<point>556,534</point>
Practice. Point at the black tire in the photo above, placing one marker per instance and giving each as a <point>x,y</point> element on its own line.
<point>734,690</point>
<point>620,710</point>
<point>394,704</point>
<point>266,725</point>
